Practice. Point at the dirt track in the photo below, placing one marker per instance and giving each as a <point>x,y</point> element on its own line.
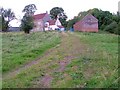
<point>69,49</point>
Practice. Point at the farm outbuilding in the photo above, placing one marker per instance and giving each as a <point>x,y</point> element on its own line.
<point>43,22</point>
<point>88,24</point>
<point>39,21</point>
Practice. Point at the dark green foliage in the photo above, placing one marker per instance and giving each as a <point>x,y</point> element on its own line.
<point>27,23</point>
<point>63,21</point>
<point>72,22</point>
<point>58,12</point>
<point>119,28</point>
<point>106,20</point>
<point>30,9</point>
<point>111,27</point>
<point>3,24</point>
<point>54,12</point>
<point>82,14</point>
<point>7,15</point>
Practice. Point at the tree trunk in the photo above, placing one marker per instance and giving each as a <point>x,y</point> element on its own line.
<point>27,31</point>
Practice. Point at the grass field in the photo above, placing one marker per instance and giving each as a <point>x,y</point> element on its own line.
<point>87,60</point>
<point>20,48</point>
<point>97,66</point>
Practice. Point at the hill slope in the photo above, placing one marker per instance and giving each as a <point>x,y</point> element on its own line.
<point>80,60</point>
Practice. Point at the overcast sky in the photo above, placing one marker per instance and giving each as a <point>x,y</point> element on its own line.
<point>71,7</point>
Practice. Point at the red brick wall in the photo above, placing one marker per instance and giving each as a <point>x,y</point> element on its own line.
<point>87,26</point>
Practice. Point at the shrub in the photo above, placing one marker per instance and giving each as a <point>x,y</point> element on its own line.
<point>119,28</point>
<point>112,28</point>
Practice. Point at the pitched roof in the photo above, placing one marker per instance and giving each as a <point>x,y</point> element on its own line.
<point>39,16</point>
<point>87,16</point>
<point>90,16</point>
<point>52,22</point>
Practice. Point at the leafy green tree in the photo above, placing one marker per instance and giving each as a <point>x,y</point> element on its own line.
<point>112,28</point>
<point>7,15</point>
<point>116,17</point>
<point>58,12</point>
<point>27,22</point>
<point>30,9</point>
<point>119,28</point>
<point>82,14</point>
<point>72,22</point>
<point>4,24</point>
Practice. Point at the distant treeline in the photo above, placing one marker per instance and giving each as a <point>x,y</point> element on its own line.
<point>107,21</point>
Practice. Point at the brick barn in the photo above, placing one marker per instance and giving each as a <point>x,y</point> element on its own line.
<point>88,24</point>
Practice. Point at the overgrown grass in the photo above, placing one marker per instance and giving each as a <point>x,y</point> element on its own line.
<point>97,67</point>
<point>106,42</point>
<point>20,48</point>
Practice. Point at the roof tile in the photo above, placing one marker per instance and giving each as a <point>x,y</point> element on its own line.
<point>39,16</point>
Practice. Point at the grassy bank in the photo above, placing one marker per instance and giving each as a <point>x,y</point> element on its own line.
<point>93,63</point>
<point>96,67</point>
<point>20,48</point>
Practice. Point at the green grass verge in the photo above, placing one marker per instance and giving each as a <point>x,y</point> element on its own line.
<point>97,67</point>
<point>20,48</point>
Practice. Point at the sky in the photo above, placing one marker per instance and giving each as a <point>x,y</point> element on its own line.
<point>71,7</point>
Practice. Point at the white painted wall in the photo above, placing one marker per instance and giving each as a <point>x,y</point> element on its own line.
<point>53,27</point>
<point>58,22</point>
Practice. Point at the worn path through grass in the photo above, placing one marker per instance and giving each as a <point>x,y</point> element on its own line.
<point>78,61</point>
<point>52,61</point>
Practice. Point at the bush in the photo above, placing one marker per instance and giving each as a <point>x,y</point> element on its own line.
<point>119,28</point>
<point>112,28</point>
<point>102,27</point>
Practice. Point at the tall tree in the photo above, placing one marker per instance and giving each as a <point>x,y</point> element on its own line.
<point>27,22</point>
<point>58,12</point>
<point>7,15</point>
<point>30,9</point>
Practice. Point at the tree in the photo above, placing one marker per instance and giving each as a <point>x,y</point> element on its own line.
<point>7,15</point>
<point>72,22</point>
<point>112,28</point>
<point>27,22</point>
<point>119,28</point>
<point>58,12</point>
<point>30,9</point>
<point>82,14</point>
